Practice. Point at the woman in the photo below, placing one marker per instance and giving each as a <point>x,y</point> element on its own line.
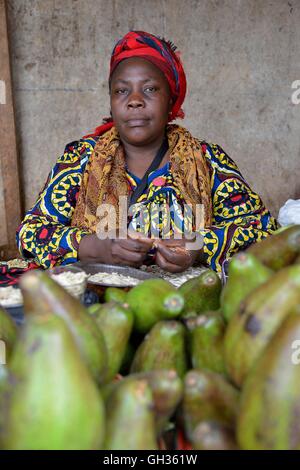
<point>80,212</point>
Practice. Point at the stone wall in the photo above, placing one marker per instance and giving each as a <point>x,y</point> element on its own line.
<point>241,58</point>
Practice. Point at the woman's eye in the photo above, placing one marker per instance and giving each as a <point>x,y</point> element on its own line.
<point>150,88</point>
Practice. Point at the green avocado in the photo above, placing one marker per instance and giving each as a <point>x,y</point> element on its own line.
<point>202,293</point>
<point>115,294</point>
<point>54,402</point>
<point>8,334</point>
<point>212,435</point>
<point>270,405</point>
<point>167,391</point>
<point>154,300</point>
<point>279,249</point>
<point>163,348</point>
<point>5,385</point>
<point>115,321</point>
<point>205,342</point>
<point>130,417</point>
<point>259,315</point>
<point>42,295</point>
<point>245,273</point>
<point>208,396</point>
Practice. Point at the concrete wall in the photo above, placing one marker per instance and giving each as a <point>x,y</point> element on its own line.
<point>241,58</point>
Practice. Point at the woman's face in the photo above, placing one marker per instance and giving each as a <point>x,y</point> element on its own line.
<point>140,101</point>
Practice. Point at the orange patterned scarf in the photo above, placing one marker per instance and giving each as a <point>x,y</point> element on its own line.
<point>105,180</point>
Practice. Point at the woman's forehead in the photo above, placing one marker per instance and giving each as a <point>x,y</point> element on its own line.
<point>136,67</point>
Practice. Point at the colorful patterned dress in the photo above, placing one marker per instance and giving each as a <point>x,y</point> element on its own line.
<point>239,216</point>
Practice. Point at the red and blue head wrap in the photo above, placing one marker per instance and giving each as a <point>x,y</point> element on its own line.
<point>163,55</point>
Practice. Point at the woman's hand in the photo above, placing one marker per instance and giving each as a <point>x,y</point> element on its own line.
<point>173,256</point>
<point>129,251</point>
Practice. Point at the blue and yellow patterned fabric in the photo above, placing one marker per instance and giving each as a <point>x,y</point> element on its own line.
<point>239,216</point>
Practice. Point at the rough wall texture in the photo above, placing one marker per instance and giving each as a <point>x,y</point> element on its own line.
<point>241,58</point>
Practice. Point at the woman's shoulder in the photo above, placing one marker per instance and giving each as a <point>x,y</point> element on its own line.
<point>212,151</point>
<point>216,155</point>
<point>78,150</point>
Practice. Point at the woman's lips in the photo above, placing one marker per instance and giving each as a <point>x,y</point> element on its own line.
<point>137,122</point>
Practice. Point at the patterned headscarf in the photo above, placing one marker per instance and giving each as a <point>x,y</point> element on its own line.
<point>163,55</point>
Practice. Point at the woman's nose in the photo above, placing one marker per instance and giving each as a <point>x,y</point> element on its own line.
<point>135,101</point>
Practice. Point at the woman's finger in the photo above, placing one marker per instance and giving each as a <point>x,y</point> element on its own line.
<point>177,255</point>
<point>140,238</point>
<point>127,256</point>
<point>171,242</point>
<point>134,245</point>
<point>167,266</point>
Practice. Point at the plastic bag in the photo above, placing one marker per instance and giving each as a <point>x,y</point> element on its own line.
<point>289,213</point>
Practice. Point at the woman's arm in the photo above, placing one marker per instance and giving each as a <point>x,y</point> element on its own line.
<point>239,215</point>
<point>45,233</point>
<point>239,219</point>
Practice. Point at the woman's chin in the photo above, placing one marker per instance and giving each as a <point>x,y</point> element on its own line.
<point>138,136</point>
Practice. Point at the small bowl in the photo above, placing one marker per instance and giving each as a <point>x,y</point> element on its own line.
<point>76,289</point>
<point>14,309</point>
<point>16,313</point>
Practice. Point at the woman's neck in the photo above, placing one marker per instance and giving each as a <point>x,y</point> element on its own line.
<point>138,159</point>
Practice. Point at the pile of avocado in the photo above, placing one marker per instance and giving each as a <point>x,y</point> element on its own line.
<point>218,364</point>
